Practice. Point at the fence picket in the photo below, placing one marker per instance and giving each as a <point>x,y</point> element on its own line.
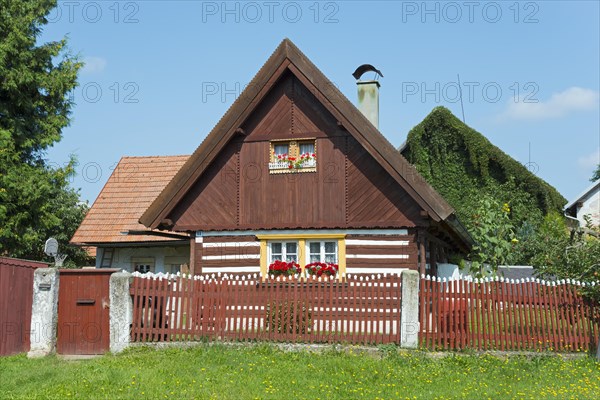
<point>518,314</point>
<point>526,308</point>
<point>576,301</point>
<point>465,313</point>
<point>354,283</point>
<point>135,319</point>
<point>493,301</point>
<point>554,318</point>
<point>573,311</point>
<point>571,337</point>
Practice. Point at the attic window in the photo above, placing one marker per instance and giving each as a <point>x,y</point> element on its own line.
<point>289,156</point>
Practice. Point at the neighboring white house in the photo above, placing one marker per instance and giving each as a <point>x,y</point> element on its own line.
<point>587,203</point>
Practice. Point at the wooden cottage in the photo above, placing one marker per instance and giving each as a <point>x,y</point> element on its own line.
<point>294,170</point>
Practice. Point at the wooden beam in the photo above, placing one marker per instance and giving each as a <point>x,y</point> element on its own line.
<point>422,255</point>
<point>433,258</point>
<point>198,249</point>
<point>436,239</point>
<point>192,254</point>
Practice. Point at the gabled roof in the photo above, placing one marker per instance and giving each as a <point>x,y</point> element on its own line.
<point>288,57</point>
<point>571,207</point>
<point>131,188</point>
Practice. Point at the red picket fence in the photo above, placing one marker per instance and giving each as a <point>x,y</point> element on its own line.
<point>502,315</point>
<point>363,310</point>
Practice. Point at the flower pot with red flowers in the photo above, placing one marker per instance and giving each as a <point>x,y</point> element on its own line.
<point>319,269</point>
<point>283,268</point>
<point>306,160</point>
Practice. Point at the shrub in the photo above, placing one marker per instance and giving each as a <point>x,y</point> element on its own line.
<point>288,316</point>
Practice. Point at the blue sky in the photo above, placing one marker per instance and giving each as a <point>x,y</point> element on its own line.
<point>160,74</point>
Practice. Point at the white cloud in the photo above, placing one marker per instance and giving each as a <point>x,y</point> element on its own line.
<point>590,161</point>
<point>558,105</point>
<point>93,65</point>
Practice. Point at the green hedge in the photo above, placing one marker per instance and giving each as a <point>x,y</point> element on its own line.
<point>462,165</point>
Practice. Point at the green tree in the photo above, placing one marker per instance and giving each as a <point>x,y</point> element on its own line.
<point>596,175</point>
<point>494,235</point>
<point>36,201</point>
<point>562,252</point>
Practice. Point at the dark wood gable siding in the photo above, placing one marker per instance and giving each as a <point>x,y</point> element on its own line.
<point>290,111</point>
<point>213,200</point>
<point>348,190</point>
<point>374,198</point>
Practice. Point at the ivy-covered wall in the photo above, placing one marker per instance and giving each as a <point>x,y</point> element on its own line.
<point>463,166</point>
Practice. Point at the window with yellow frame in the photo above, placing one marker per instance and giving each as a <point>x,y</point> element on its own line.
<point>304,249</point>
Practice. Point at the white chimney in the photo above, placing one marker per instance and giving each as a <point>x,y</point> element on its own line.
<point>368,93</point>
<point>368,100</point>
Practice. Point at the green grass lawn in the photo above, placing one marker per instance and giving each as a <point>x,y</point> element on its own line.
<point>264,372</point>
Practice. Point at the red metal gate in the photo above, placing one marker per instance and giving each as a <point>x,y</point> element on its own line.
<point>83,311</point>
<point>16,296</point>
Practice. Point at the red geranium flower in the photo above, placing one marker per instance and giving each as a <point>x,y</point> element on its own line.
<point>319,269</point>
<point>279,267</point>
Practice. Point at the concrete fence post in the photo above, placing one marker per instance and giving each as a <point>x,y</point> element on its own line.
<point>44,312</point>
<point>121,311</point>
<point>409,317</point>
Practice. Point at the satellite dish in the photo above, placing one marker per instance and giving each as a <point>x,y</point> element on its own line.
<point>51,247</point>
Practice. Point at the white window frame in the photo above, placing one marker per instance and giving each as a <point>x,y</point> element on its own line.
<point>283,250</point>
<point>148,267</point>
<point>146,262</point>
<point>322,250</point>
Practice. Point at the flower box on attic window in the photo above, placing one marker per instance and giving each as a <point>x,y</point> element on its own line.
<point>291,156</point>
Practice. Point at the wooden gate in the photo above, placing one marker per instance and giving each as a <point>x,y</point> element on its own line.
<point>16,296</point>
<point>83,311</point>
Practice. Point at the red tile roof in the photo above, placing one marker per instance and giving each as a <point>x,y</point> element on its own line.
<point>129,191</point>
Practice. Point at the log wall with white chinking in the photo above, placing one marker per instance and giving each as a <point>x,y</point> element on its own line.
<point>381,253</point>
<point>228,254</point>
<point>364,253</point>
